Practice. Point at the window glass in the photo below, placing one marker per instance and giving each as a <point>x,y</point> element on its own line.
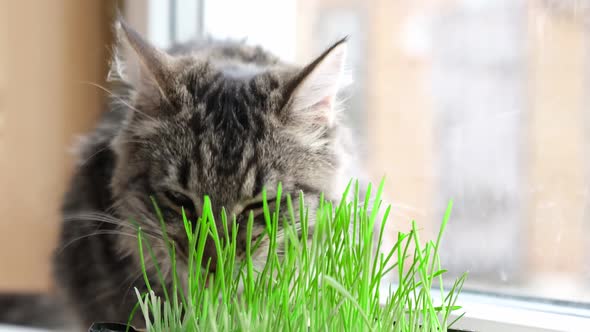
<point>483,102</point>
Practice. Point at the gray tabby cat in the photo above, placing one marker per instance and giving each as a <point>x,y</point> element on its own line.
<point>218,118</point>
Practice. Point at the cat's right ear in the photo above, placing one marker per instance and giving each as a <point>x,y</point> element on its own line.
<point>155,66</point>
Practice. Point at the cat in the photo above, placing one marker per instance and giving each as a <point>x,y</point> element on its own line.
<point>216,118</point>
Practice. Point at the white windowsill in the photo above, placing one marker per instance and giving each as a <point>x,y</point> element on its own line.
<point>489,314</point>
<point>10,328</point>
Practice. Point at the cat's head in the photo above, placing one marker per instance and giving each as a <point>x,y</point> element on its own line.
<point>225,120</point>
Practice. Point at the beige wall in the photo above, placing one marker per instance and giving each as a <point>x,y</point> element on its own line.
<point>46,49</point>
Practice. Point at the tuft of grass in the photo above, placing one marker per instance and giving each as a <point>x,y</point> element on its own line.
<point>331,282</point>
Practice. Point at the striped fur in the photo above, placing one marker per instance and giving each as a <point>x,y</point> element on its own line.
<point>211,118</point>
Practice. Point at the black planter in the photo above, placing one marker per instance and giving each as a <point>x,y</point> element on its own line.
<point>111,327</point>
<point>115,327</point>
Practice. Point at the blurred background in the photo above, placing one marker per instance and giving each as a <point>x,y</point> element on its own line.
<point>481,101</point>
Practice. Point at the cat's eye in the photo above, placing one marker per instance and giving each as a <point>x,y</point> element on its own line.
<point>257,206</point>
<point>254,206</point>
<point>179,199</point>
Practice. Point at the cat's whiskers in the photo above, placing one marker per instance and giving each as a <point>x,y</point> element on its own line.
<point>142,213</point>
<point>109,232</point>
<point>85,161</point>
<point>104,218</point>
<point>117,98</point>
<point>94,217</point>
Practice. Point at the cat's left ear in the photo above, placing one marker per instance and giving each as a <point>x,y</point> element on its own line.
<point>313,97</point>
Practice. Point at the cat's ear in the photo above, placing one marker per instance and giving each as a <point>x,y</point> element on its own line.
<point>314,96</point>
<point>154,65</point>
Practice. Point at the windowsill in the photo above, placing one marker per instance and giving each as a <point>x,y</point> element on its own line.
<point>487,313</point>
<point>10,328</point>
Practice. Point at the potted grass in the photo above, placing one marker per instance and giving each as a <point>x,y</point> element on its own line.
<point>332,282</point>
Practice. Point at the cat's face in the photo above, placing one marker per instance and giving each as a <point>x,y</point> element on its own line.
<point>225,128</point>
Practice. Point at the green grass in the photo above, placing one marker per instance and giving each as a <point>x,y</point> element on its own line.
<point>329,283</point>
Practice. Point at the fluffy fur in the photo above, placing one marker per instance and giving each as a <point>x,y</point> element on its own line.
<point>213,118</point>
